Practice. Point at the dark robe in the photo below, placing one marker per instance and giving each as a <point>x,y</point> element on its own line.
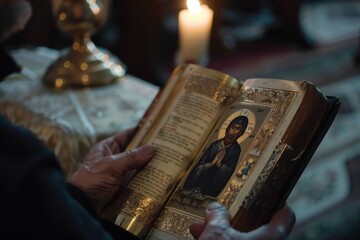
<point>7,64</point>
<point>36,202</point>
<point>212,179</point>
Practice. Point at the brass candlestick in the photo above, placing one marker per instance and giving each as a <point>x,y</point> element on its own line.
<point>83,64</point>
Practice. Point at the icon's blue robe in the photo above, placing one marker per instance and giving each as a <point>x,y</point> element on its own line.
<point>212,179</point>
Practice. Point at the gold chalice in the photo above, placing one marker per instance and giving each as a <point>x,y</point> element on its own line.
<point>83,64</point>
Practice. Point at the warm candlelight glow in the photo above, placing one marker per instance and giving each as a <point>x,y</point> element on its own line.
<point>193,6</point>
<point>194,33</point>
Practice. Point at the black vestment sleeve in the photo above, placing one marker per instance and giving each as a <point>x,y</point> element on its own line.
<point>35,200</point>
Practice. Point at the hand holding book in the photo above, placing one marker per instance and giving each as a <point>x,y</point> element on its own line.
<point>105,166</point>
<point>249,167</point>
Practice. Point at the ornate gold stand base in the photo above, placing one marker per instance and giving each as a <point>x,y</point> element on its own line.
<point>84,65</point>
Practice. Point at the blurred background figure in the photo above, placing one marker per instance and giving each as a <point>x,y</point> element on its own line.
<point>14,16</point>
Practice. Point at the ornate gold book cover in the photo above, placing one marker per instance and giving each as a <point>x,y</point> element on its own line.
<point>219,139</point>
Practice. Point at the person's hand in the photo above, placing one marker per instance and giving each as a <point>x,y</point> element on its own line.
<point>208,165</point>
<point>105,166</point>
<point>217,226</point>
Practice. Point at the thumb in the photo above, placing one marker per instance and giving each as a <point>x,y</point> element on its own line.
<point>217,214</point>
<point>133,158</point>
<point>216,223</point>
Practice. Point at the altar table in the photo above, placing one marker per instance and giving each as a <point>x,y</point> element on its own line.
<point>70,121</point>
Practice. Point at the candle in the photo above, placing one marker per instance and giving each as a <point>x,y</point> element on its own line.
<point>194,33</point>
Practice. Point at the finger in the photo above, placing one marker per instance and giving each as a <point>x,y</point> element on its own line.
<point>284,220</point>
<point>123,137</point>
<point>215,212</point>
<point>217,223</point>
<point>103,148</point>
<point>134,158</point>
<point>196,229</point>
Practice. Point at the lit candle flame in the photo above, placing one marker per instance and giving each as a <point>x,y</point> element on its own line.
<point>193,6</point>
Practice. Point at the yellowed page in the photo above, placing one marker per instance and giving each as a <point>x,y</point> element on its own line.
<point>177,128</point>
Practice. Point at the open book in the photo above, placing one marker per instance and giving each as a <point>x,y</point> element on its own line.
<point>241,143</point>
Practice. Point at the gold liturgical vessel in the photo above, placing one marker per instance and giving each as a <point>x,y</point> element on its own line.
<point>83,64</point>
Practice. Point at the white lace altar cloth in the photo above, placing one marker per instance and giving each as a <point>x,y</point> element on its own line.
<point>70,121</point>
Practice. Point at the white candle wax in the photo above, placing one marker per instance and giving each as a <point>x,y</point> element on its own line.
<point>194,34</point>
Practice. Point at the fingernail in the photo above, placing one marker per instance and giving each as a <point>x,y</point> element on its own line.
<point>147,149</point>
<point>214,206</point>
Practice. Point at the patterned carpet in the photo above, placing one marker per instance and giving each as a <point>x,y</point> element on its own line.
<point>326,198</point>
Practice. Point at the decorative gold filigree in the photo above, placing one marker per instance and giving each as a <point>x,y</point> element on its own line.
<point>276,154</point>
<point>209,86</point>
<point>175,223</point>
<point>139,207</point>
<point>280,101</point>
<point>231,192</point>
